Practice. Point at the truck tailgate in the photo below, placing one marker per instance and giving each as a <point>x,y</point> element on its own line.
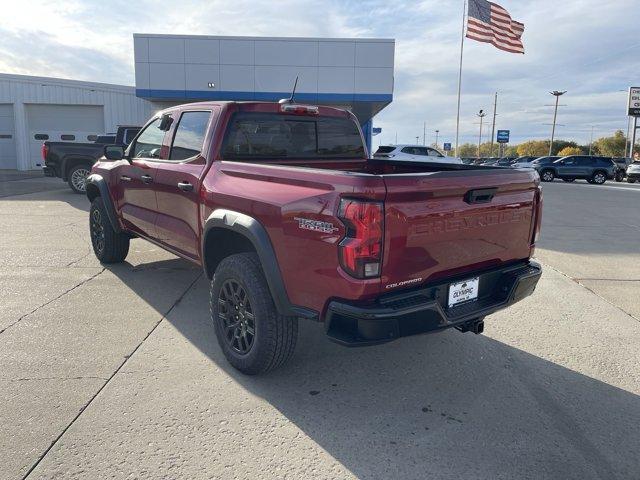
<point>444,224</point>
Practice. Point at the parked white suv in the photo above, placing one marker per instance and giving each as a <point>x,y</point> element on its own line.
<point>415,153</point>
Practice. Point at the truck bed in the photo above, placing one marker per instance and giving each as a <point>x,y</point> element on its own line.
<point>433,228</point>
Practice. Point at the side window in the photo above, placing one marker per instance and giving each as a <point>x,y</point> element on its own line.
<point>570,161</point>
<point>408,150</point>
<point>149,142</point>
<point>189,135</point>
<point>129,135</point>
<point>434,153</point>
<point>423,152</point>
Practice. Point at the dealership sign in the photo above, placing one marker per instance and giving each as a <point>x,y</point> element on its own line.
<point>503,136</point>
<point>634,101</point>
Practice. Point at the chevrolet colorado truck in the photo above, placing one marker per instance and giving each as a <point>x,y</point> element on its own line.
<point>72,161</point>
<point>289,219</point>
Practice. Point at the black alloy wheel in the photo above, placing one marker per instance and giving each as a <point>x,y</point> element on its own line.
<point>236,317</point>
<point>97,231</point>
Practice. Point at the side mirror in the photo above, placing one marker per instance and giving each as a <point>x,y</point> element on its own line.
<point>114,152</point>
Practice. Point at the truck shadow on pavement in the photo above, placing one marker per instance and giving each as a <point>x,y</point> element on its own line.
<point>446,405</point>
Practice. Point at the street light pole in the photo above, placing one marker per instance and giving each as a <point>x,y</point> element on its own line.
<point>591,141</point>
<point>556,94</point>
<point>493,125</point>
<point>437,133</point>
<point>480,114</point>
<point>424,133</point>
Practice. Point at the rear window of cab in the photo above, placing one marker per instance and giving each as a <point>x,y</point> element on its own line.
<point>254,136</point>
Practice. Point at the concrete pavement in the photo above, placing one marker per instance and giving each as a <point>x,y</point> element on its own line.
<point>115,372</point>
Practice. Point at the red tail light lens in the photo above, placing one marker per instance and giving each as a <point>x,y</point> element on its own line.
<point>45,151</point>
<point>360,251</point>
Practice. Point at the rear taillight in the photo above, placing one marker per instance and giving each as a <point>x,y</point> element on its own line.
<point>538,225</point>
<point>45,151</point>
<point>360,252</point>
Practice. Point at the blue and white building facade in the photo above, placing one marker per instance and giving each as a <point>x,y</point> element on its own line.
<point>351,73</point>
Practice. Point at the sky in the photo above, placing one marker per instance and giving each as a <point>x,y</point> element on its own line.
<point>591,48</point>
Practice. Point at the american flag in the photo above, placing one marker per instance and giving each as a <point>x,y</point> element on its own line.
<point>490,23</point>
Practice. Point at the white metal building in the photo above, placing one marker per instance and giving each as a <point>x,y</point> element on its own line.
<point>169,69</point>
<point>349,72</point>
<point>34,109</point>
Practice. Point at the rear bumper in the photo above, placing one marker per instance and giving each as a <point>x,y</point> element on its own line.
<point>49,172</point>
<point>425,310</point>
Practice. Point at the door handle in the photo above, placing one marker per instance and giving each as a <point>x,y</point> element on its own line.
<point>124,178</point>
<point>146,178</point>
<point>185,186</point>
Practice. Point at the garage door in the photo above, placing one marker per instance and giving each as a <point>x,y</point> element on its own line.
<point>7,138</point>
<point>61,123</point>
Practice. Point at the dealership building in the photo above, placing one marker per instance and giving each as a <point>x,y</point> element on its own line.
<point>356,74</point>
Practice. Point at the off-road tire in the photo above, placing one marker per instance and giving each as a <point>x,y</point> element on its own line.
<point>76,178</point>
<point>274,338</point>
<point>109,246</point>
<point>547,176</point>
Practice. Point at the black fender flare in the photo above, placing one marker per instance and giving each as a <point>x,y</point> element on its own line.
<point>253,230</point>
<point>97,186</point>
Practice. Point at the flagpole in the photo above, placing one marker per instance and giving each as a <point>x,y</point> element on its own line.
<point>464,12</point>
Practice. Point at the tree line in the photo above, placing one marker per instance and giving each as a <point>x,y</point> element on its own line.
<point>612,146</point>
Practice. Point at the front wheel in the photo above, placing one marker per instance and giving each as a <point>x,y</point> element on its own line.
<point>77,177</point>
<point>619,176</point>
<point>547,176</point>
<point>252,335</point>
<point>109,246</point>
<point>599,178</point>
<point>631,180</point>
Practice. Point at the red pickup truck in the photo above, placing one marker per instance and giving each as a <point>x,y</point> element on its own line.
<point>280,205</point>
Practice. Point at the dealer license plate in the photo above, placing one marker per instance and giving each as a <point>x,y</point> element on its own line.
<point>463,291</point>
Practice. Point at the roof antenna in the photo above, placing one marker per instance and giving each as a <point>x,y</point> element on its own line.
<point>290,99</point>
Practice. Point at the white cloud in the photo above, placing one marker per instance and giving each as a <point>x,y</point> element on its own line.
<point>587,47</point>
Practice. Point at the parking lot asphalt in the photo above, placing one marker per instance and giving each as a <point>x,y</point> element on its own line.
<point>115,372</point>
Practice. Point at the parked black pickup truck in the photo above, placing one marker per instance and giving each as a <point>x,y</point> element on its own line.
<point>73,161</point>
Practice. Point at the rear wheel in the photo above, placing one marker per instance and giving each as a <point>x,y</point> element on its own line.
<point>109,246</point>
<point>77,177</point>
<point>619,176</point>
<point>252,335</point>
<point>599,178</point>
<point>547,176</point>
<point>631,180</point>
